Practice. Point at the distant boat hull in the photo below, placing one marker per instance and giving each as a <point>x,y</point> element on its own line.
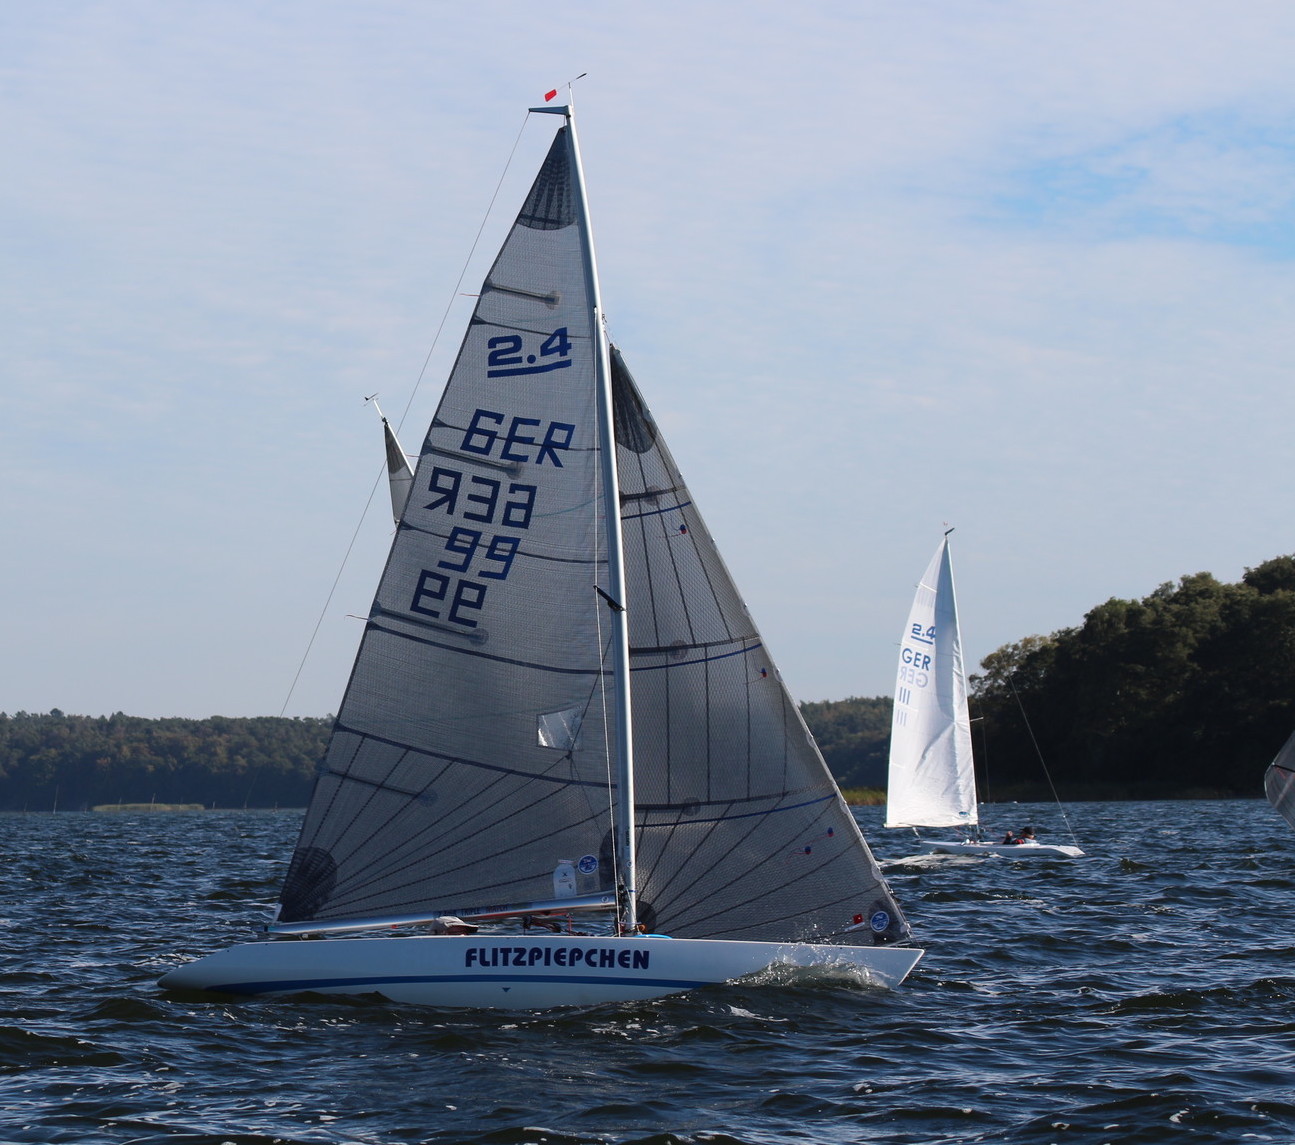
<point>519,973</point>
<point>1011,850</point>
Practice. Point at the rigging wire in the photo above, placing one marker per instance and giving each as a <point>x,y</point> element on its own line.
<point>463,273</point>
<point>329,600</point>
<point>984,769</point>
<point>1037,751</point>
<point>422,373</point>
<point>984,754</point>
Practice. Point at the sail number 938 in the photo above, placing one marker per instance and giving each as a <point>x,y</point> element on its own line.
<point>496,512</point>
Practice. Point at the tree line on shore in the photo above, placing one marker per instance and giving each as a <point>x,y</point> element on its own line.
<point>1187,692</point>
<point>54,761</point>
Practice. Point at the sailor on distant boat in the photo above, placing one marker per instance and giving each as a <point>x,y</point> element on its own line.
<point>1026,836</point>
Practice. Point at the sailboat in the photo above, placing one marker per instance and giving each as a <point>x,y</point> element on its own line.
<point>1279,781</point>
<point>932,778</point>
<point>565,770</point>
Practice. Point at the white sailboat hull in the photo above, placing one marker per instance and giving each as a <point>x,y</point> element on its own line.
<point>519,973</point>
<point>1011,850</point>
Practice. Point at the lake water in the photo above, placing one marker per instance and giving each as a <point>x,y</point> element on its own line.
<point>1144,994</point>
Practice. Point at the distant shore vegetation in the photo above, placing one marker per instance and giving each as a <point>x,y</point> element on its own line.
<point>1187,693</point>
<point>77,763</point>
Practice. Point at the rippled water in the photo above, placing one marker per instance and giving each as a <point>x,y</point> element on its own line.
<point>1145,994</point>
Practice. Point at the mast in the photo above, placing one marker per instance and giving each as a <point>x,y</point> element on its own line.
<point>623,826</point>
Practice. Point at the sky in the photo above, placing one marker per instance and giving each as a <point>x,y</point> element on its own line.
<point>1022,269</point>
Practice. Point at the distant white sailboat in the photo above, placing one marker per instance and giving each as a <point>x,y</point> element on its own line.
<point>561,708</point>
<point>932,777</point>
<point>1279,781</point>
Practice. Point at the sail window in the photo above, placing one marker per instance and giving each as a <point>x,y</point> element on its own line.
<point>559,730</point>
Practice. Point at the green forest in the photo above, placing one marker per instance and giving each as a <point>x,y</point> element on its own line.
<point>73,763</point>
<point>1188,692</point>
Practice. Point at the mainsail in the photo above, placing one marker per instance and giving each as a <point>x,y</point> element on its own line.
<point>469,764</point>
<point>1279,781</point>
<point>932,779</point>
<point>471,768</point>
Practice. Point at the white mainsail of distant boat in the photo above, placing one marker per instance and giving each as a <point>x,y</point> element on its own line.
<point>932,781</point>
<point>1279,781</point>
<point>932,777</point>
<point>561,708</point>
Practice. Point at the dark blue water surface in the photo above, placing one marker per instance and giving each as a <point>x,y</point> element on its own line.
<point>1143,994</point>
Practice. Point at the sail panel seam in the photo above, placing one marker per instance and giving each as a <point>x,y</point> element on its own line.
<point>697,660</point>
<point>531,664</point>
<point>565,780</point>
<point>656,512</point>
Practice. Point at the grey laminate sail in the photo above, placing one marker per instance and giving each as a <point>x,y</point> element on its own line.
<point>742,831</point>
<point>472,764</point>
<point>469,764</point>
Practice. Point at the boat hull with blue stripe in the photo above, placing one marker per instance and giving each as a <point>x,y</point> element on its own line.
<point>522,972</point>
